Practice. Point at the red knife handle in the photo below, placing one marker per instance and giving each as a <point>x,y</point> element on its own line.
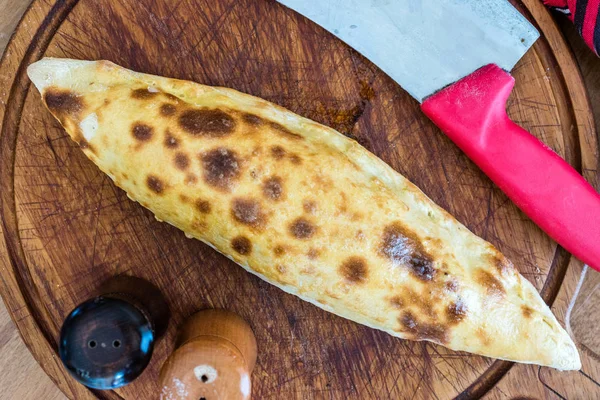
<point>472,112</point>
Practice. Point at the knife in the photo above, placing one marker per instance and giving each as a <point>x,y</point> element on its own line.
<point>452,56</point>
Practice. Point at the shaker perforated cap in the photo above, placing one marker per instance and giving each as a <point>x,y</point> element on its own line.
<point>106,342</point>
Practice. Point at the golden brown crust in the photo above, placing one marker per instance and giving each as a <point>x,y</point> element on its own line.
<point>303,207</point>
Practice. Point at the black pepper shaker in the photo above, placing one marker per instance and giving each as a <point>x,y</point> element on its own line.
<point>107,341</point>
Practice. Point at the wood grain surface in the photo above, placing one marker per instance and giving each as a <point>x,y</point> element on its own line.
<point>21,377</point>
<point>69,228</point>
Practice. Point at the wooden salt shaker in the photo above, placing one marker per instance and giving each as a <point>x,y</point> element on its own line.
<point>214,357</point>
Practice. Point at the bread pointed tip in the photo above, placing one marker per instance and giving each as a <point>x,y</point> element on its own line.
<point>570,360</point>
<point>52,71</point>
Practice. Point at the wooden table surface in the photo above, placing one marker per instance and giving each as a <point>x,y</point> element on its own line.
<point>21,376</point>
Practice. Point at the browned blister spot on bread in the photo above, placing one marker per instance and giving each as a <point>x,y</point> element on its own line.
<point>278,251</point>
<point>295,159</point>
<point>302,228</point>
<point>527,311</point>
<point>207,122</point>
<point>167,110</point>
<point>402,246</point>
<point>483,337</point>
<point>451,285</point>
<point>396,302</point>
<point>242,245</point>
<point>252,119</point>
<point>143,94</point>
<point>142,132</point>
<point>171,141</point>
<point>248,212</point>
<point>182,161</point>
<point>63,102</point>
<point>203,206</point>
<point>155,184</point>
<point>424,302</point>
<point>309,206</point>
<point>489,282</point>
<point>456,312</point>
<point>323,182</point>
<point>83,144</point>
<point>277,152</point>
<point>343,203</point>
<point>360,235</point>
<point>354,270</point>
<point>281,269</point>
<point>285,132</point>
<point>422,331</point>
<point>356,216</point>
<point>313,253</point>
<point>273,188</point>
<point>502,264</point>
<point>221,168</point>
<point>190,179</point>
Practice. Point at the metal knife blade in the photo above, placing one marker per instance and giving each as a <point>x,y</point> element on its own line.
<point>425,45</point>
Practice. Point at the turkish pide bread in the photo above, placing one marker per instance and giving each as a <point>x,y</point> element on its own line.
<point>303,207</point>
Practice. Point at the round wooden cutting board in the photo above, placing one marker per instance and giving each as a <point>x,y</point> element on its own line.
<point>66,228</point>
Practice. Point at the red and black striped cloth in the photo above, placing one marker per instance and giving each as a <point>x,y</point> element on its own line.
<point>584,14</point>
